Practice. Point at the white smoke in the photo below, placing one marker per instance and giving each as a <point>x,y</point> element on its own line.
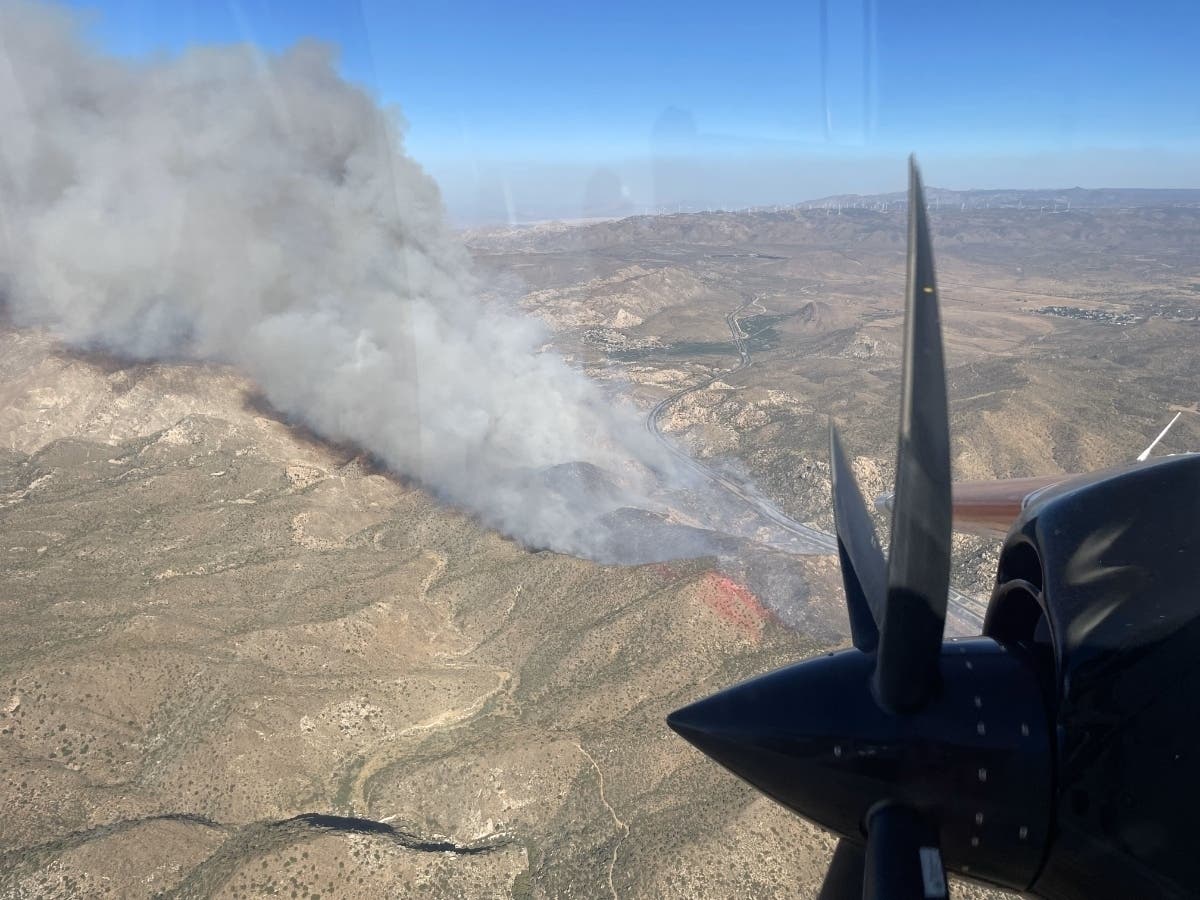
<point>234,206</point>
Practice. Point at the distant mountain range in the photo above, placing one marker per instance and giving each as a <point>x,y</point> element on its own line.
<point>1067,198</point>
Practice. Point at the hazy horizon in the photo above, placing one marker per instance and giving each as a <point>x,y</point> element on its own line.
<point>522,193</point>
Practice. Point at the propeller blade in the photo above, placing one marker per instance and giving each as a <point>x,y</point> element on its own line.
<point>903,861</point>
<point>918,569</point>
<point>863,570</point>
<point>844,880</point>
<point>832,737</point>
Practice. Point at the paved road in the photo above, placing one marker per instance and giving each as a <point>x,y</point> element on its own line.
<point>967,610</point>
<point>811,540</point>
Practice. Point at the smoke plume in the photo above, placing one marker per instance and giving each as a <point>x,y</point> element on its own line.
<point>256,209</point>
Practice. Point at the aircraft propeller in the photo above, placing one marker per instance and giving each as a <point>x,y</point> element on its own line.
<point>907,747</point>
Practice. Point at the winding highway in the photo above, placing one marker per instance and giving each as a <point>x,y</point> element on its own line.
<point>965,609</point>
<point>810,539</point>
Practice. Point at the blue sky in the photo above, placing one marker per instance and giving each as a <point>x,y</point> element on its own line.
<point>506,101</point>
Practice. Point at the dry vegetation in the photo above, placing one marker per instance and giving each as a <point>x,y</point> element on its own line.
<point>236,662</point>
